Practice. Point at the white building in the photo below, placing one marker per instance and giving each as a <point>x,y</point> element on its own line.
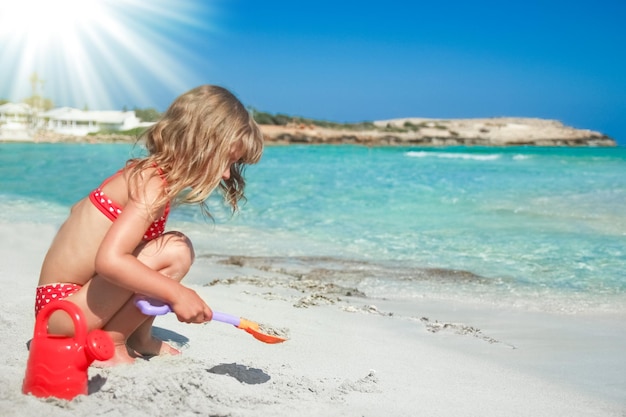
<point>74,122</point>
<point>19,121</point>
<point>15,121</point>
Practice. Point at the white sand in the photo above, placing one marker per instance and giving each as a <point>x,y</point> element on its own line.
<point>344,358</point>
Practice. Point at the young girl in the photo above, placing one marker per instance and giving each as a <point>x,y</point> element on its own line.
<point>113,245</point>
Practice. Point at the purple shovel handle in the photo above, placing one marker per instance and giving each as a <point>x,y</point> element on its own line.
<point>157,308</point>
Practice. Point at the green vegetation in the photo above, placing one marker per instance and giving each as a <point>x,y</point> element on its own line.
<point>412,126</point>
<point>264,118</point>
<point>38,102</point>
<point>35,102</point>
<point>136,132</point>
<point>149,114</point>
<point>394,129</point>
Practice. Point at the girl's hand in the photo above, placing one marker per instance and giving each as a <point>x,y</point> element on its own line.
<point>190,308</point>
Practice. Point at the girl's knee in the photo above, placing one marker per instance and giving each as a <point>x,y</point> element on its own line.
<point>171,254</point>
<point>180,251</point>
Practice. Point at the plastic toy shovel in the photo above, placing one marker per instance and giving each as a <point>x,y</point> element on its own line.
<point>152,307</point>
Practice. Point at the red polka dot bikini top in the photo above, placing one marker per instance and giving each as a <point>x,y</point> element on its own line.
<point>112,210</point>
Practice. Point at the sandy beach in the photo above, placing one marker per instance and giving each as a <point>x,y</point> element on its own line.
<point>346,355</point>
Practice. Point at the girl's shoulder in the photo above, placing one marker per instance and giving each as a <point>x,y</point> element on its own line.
<point>144,171</point>
<point>146,180</point>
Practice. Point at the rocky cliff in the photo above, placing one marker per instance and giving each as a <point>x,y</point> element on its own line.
<point>402,132</point>
<point>440,132</point>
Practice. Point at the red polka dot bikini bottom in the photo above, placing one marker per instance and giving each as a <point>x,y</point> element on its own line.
<point>49,292</point>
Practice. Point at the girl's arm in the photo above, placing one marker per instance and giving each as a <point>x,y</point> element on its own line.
<point>116,259</point>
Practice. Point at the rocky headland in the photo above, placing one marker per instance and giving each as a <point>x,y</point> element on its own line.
<point>502,131</point>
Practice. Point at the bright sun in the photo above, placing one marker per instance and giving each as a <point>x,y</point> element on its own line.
<point>46,21</point>
<point>96,53</point>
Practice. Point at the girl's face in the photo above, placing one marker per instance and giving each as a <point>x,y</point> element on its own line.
<point>226,173</point>
<point>235,155</point>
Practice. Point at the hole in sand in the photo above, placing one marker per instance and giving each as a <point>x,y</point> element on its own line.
<point>241,373</point>
<point>95,384</point>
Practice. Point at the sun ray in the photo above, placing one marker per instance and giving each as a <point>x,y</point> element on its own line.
<point>98,53</point>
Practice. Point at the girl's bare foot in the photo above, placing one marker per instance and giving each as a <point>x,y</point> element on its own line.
<point>150,346</point>
<point>121,355</point>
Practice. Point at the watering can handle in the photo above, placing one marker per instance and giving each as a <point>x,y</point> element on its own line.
<point>80,328</point>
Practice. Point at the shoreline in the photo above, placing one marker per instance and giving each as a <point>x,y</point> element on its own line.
<point>328,280</point>
<point>356,356</point>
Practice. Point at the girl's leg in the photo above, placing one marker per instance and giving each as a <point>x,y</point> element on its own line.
<point>172,255</point>
<point>110,307</point>
<point>179,261</point>
<point>143,343</point>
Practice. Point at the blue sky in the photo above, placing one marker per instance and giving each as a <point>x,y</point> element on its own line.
<point>349,61</point>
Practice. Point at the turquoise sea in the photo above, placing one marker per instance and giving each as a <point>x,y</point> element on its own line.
<point>542,228</point>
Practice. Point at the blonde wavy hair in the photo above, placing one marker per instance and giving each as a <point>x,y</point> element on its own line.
<point>193,143</point>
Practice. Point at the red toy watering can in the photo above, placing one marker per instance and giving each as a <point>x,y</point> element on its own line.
<point>57,365</point>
